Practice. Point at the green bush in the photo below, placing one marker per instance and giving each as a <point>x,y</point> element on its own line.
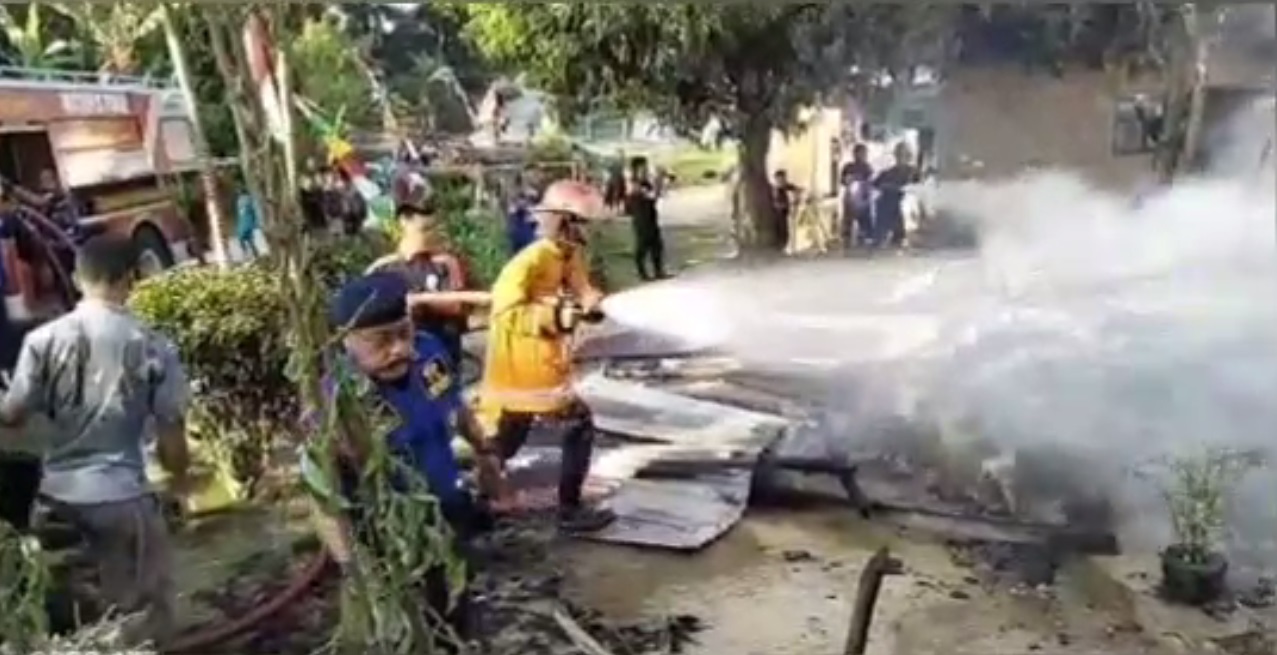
<point>479,237</point>
<point>336,261</point>
<point>226,325</point>
<point>452,189</point>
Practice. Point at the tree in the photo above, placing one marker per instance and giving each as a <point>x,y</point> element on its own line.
<point>115,30</point>
<point>329,73</point>
<point>428,73</point>
<point>432,90</point>
<point>753,70</point>
<point>29,42</point>
<point>398,36</point>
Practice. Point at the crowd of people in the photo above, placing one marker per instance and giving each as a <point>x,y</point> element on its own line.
<point>872,202</point>
<point>109,386</point>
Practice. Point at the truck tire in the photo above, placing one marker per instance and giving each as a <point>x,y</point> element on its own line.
<point>153,254</point>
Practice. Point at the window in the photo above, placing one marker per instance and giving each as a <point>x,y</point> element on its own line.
<point>1137,125</point>
<point>175,137</point>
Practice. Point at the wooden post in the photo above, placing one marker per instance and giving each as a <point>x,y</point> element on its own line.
<point>879,566</point>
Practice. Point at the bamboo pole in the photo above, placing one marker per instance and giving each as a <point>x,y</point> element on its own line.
<point>208,177</point>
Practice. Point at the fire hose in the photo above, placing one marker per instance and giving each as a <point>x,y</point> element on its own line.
<point>206,637</point>
<point>203,639</point>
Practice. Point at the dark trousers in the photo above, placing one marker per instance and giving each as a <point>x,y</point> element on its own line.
<point>129,540</point>
<point>19,484</point>
<point>890,220</point>
<point>649,247</point>
<point>574,428</point>
<point>860,227</point>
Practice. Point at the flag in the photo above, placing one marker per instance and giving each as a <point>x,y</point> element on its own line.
<point>341,154</point>
<point>261,65</point>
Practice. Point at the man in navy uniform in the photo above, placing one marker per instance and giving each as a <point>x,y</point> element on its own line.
<point>410,373</point>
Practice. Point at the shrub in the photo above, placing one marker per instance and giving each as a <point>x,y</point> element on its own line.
<point>1196,488</point>
<point>336,261</point>
<point>479,237</point>
<point>452,189</point>
<point>226,324</point>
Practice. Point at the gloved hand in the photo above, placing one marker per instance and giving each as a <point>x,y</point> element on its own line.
<point>567,315</point>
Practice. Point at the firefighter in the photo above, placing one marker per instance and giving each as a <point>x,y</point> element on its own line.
<point>541,296</point>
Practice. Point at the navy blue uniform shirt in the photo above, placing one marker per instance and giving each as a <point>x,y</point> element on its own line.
<point>426,402</point>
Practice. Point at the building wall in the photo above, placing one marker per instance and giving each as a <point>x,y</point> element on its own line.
<point>998,121</point>
<point>807,155</point>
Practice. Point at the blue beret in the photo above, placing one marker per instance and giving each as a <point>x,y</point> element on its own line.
<point>373,300</point>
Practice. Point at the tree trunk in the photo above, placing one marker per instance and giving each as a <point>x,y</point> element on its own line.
<point>239,98</point>
<point>208,176</point>
<point>765,232</point>
<point>1185,95</point>
<point>1197,68</point>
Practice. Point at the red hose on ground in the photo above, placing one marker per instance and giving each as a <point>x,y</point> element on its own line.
<point>211,635</point>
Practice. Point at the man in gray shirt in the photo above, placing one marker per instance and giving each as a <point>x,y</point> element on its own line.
<point>96,376</point>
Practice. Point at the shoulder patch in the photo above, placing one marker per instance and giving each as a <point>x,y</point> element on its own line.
<point>436,376</point>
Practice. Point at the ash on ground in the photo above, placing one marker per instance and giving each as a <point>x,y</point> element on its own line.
<point>518,590</point>
<point>520,587</point>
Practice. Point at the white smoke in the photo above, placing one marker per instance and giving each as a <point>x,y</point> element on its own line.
<point>1115,330</point>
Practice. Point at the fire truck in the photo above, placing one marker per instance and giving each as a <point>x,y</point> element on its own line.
<point>117,147</point>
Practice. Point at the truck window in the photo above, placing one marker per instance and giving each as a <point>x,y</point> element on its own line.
<point>23,155</point>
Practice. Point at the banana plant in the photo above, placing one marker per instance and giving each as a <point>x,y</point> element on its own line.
<point>29,42</point>
<point>114,28</point>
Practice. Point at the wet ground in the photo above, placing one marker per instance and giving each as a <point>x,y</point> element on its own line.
<point>784,583</point>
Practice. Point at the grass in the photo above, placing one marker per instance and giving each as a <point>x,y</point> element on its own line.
<point>690,164</point>
<point>686,246</point>
<point>693,166</point>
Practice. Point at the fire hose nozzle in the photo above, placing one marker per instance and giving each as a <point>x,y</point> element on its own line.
<point>569,314</point>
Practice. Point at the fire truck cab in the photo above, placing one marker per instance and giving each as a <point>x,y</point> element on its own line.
<point>117,147</point>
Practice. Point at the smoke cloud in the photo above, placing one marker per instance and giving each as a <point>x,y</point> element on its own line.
<point>1112,329</point>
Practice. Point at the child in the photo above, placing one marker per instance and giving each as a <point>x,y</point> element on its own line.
<point>247,221</point>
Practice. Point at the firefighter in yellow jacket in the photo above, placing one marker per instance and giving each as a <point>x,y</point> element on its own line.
<point>541,296</point>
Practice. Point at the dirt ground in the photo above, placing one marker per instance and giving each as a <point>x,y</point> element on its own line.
<point>784,583</point>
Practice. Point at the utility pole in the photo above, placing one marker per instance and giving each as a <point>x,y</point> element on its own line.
<point>208,178</point>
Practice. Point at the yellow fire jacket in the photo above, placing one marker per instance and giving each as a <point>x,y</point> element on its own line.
<point>529,362</point>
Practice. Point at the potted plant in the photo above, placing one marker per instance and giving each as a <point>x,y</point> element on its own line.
<point>1196,488</point>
